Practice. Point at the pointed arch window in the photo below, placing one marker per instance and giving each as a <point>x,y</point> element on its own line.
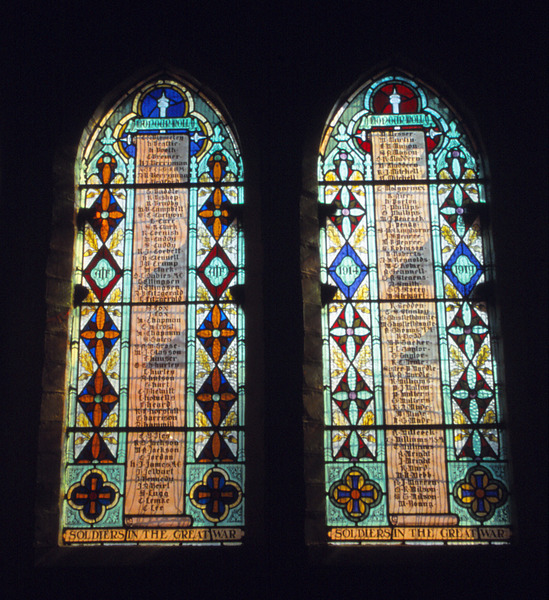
<point>413,430</point>
<point>154,444</point>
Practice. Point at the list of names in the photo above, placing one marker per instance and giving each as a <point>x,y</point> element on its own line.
<point>417,480</point>
<point>155,467</point>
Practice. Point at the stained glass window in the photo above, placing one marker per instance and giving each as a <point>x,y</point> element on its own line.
<point>154,446</point>
<point>414,443</point>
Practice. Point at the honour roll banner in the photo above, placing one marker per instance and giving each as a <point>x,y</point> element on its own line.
<point>416,467</point>
<point>155,486</point>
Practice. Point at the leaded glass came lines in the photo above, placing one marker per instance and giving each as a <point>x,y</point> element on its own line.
<point>154,449</point>
<point>414,440</point>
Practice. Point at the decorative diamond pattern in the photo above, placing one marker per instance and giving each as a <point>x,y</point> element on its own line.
<point>348,271</point>
<point>454,210</point>
<point>472,399</point>
<point>349,212</point>
<point>216,271</point>
<point>106,215</point>
<point>216,333</point>
<point>102,274</point>
<point>349,331</point>
<point>215,214</point>
<point>463,269</point>
<point>216,397</point>
<point>352,389</point>
<point>98,398</point>
<point>468,330</point>
<point>100,334</point>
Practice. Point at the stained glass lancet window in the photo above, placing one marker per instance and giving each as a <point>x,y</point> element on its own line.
<point>414,443</point>
<point>154,448</point>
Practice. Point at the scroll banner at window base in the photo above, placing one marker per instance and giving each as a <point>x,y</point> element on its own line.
<point>419,534</point>
<point>117,535</point>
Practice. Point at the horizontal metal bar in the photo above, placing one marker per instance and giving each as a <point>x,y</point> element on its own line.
<point>382,182</point>
<point>155,429</point>
<point>165,303</point>
<point>461,300</point>
<point>435,427</point>
<point>167,186</point>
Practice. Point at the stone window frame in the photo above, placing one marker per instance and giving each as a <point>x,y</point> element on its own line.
<point>59,304</point>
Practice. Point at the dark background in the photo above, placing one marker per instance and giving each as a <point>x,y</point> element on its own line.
<point>279,69</point>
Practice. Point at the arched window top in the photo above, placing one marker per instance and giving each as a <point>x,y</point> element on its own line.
<point>414,439</point>
<point>395,101</point>
<point>154,433</point>
<point>162,104</point>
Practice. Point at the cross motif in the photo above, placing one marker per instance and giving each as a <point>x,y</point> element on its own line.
<point>215,495</point>
<point>93,495</point>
